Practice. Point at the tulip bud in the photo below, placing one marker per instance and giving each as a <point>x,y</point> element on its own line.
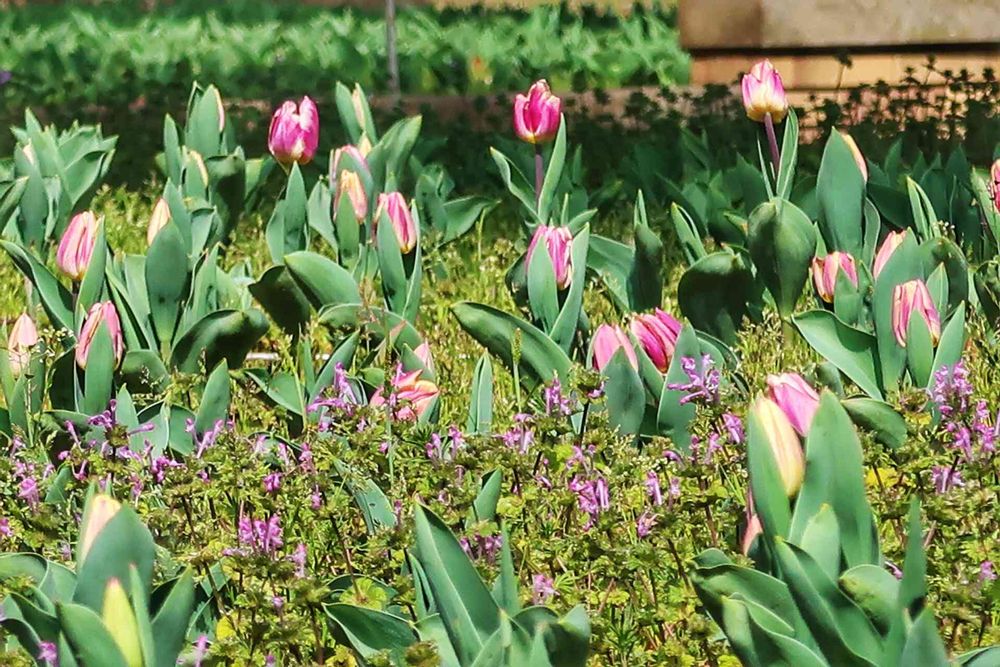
<point>559,244</point>
<point>825,271</point>
<point>413,395</point>
<point>98,514</point>
<point>23,336</point>
<point>358,102</point>
<point>911,298</point>
<point>608,339</point>
<point>119,619</point>
<point>423,353</point>
<point>783,442</point>
<point>796,398</point>
<point>221,109</point>
<point>350,184</point>
<point>994,187</point>
<point>657,333</point>
<point>77,245</point>
<point>364,145</point>
<point>102,312</point>
<point>750,533</point>
<point>537,114</point>
<point>394,206</point>
<point>199,163</point>
<point>294,132</point>
<point>356,157</point>
<point>158,220</point>
<point>29,153</point>
<point>859,159</point>
<point>763,93</point>
<point>889,245</point>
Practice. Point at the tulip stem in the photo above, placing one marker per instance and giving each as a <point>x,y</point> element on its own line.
<point>772,140</point>
<point>539,173</point>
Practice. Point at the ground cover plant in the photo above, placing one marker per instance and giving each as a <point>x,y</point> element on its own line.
<point>306,409</point>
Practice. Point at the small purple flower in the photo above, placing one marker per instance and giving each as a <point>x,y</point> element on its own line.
<point>542,589</point>
<point>200,650</point>
<point>519,437</point>
<point>278,602</point>
<point>644,525</point>
<point>946,478</point>
<point>272,482</point>
<point>653,487</point>
<point>591,497</point>
<point>703,381</point>
<point>299,558</point>
<point>896,572</point>
<point>48,654</point>
<point>555,401</point>
<point>986,572</point>
<point>734,425</point>
<point>28,491</point>
<point>5,529</point>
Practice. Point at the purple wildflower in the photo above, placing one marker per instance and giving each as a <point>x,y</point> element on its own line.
<point>703,381</point>
<point>653,487</point>
<point>946,478</point>
<point>48,653</point>
<point>644,524</point>
<point>542,589</point>
<point>986,572</point>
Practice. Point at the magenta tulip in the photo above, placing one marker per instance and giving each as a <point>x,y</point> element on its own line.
<point>608,339</point>
<point>537,114</point>
<point>909,299</point>
<point>559,244</point>
<point>826,270</point>
<point>77,245</point>
<point>786,450</point>
<point>23,336</point>
<point>763,93</point>
<point>100,313</point>
<point>994,187</point>
<point>294,132</point>
<point>657,333</point>
<point>889,245</point>
<point>796,398</point>
<point>394,206</point>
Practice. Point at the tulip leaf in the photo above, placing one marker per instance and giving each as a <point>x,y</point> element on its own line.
<point>122,544</point>
<point>645,285</point>
<point>166,281</point>
<point>879,417</point>
<point>89,637</point>
<point>172,618</point>
<point>789,156</point>
<point>93,279</point>
<point>626,399</point>
<point>949,350</point>
<point>770,499</point>
<point>99,374</point>
<point>323,281</point>
<point>378,322</point>
<point>281,297</point>
<point>214,405</point>
<point>673,416</point>
<point>370,631</point>
<point>840,189</point>
<point>687,234</point>
<point>481,397</point>
<point>851,350</point>
<point>543,295</point>
<point>904,265</point>
<point>516,183</point>
<point>714,294</point>
<point>919,350</point>
<point>56,300</point>
<point>223,334</point>
<point>875,591</point>
<point>782,245</point>
<point>553,173</point>
<point>923,643</point>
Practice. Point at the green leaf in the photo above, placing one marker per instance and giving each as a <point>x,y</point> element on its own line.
<point>840,189</point>
<point>687,235</point>
<point>481,397</point>
<point>768,491</point>
<point>789,156</point>
<point>952,342</point>
<point>88,636</point>
<point>713,294</point>
<point>281,297</point>
<point>626,399</point>
<point>505,588</point>
<point>553,173</point>
<point>56,300</point>
<point>875,591</point>
<point>851,350</point>
<point>170,624</point>
<point>93,280</point>
<point>224,334</point>
<point>122,544</point>
<point>923,643</point>
<point>880,417</point>
<point>166,281</point>
<point>214,400</point>
<point>782,245</point>
<point>370,631</point>
<point>99,375</point>
<point>543,296</point>
<point>323,281</point>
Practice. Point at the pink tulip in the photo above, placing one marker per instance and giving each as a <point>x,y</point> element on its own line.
<point>826,270</point>
<point>537,114</point>
<point>657,333</point>
<point>608,339</point>
<point>294,132</point>
<point>158,220</point>
<point>350,184</point>
<point>994,188</point>
<point>750,533</point>
<point>559,244</point>
<point>859,159</point>
<point>912,298</point>
<point>357,158</point>
<point>796,398</point>
<point>23,336</point>
<point>889,245</point>
<point>102,312</point>
<point>763,93</point>
<point>423,353</point>
<point>783,442</point>
<point>77,245</point>
<point>413,396</point>
<point>394,206</point>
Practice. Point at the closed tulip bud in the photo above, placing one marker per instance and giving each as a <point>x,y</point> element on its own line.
<point>859,159</point>
<point>825,271</point>
<point>786,449</point>
<point>102,312</point>
<point>796,398</point>
<point>23,336</point>
<point>537,114</point>
<point>763,93</point>
<point>221,109</point>
<point>119,619</point>
<point>909,299</point>
<point>158,220</point>
<point>77,245</point>
<point>98,514</point>
<point>357,161</point>
<point>358,102</point>
<point>608,339</point>
<point>889,245</point>
<point>750,533</point>
<point>294,133</point>
<point>394,206</point>
<point>29,153</point>
<point>995,184</point>
<point>657,333</point>
<point>350,184</point>
<point>413,395</point>
<point>364,145</point>
<point>559,244</point>
<point>199,164</point>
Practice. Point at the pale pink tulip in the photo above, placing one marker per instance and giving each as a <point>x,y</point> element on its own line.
<point>102,312</point>
<point>23,336</point>
<point>825,271</point>
<point>393,204</point>
<point>796,398</point>
<point>608,339</point>
<point>909,299</point>
<point>559,244</point>
<point>784,444</point>
<point>889,245</point>
<point>77,245</point>
<point>763,93</point>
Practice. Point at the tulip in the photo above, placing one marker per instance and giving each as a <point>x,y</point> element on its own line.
<point>77,245</point>
<point>783,442</point>
<point>763,93</point>
<point>657,333</point>
<point>608,339</point>
<point>859,159</point>
<point>911,298</point>
<point>221,109</point>
<point>199,163</point>
<point>23,336</point>
<point>97,515</point>
<point>423,353</point>
<point>119,620</point>
<point>358,102</point>
<point>889,245</point>
<point>158,220</point>
<point>394,206</point>
<point>294,132</point>
<point>360,162</point>
<point>796,398</point>
<point>413,395</point>
<point>825,271</point>
<point>102,312</point>
<point>559,244</point>
<point>537,114</point>
<point>350,184</point>
<point>750,533</point>
<point>994,188</point>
